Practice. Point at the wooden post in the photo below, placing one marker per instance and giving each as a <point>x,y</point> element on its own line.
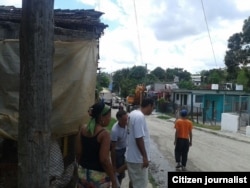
<point>35,101</point>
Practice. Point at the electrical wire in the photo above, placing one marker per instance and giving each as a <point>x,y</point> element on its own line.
<point>138,33</point>
<point>208,32</point>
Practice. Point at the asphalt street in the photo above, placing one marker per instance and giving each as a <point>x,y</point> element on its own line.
<point>210,151</point>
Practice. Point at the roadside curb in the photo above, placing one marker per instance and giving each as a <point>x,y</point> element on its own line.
<point>235,136</point>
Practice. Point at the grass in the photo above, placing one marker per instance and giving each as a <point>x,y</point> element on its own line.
<point>212,127</point>
<point>152,181</point>
<point>164,117</point>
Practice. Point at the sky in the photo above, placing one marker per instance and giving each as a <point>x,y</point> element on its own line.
<point>187,34</point>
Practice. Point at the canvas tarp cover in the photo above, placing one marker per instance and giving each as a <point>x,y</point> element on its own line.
<point>74,80</point>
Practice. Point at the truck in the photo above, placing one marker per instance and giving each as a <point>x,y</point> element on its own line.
<point>75,64</point>
<point>133,101</point>
<point>106,95</point>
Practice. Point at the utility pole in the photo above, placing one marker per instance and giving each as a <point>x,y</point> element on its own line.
<point>35,100</point>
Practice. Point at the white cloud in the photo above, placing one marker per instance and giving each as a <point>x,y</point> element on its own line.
<point>174,33</point>
<point>16,3</point>
<point>170,33</point>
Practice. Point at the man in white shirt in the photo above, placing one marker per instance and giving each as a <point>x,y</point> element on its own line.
<point>119,144</point>
<point>137,154</point>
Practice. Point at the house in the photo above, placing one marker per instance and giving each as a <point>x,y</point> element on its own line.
<point>210,104</point>
<point>75,63</point>
<point>76,42</point>
<point>196,79</point>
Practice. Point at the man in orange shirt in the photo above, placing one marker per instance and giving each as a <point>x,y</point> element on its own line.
<point>183,139</point>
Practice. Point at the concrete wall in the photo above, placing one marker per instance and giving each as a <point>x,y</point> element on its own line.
<point>248,130</point>
<point>230,122</point>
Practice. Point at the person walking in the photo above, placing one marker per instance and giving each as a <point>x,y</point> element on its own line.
<point>183,139</point>
<point>137,154</point>
<point>120,107</point>
<point>93,150</point>
<point>119,144</point>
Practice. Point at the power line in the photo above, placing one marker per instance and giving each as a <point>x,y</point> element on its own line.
<point>138,33</point>
<point>208,32</point>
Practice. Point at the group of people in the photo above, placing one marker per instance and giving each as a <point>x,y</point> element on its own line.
<point>103,156</point>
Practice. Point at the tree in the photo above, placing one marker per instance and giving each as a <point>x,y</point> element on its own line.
<point>150,79</point>
<point>127,87</point>
<point>170,73</point>
<point>239,50</point>
<point>117,79</point>
<point>35,101</point>
<point>186,84</point>
<point>231,58</point>
<point>103,79</point>
<point>182,74</point>
<point>216,76</point>
<point>243,78</point>
<point>138,73</point>
<point>159,73</point>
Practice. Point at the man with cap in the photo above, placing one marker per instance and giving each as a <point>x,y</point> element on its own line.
<point>183,139</point>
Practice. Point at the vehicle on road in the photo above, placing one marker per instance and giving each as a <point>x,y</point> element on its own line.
<point>116,102</point>
<point>106,95</point>
<point>133,101</point>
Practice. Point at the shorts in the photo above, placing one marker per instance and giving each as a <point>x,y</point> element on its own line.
<point>120,161</point>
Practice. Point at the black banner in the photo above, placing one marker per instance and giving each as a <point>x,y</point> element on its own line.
<point>208,179</point>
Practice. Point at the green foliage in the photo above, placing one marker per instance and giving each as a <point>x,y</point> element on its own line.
<point>103,80</point>
<point>186,85</point>
<point>212,127</point>
<point>184,75</point>
<point>164,117</point>
<point>138,73</point>
<point>119,77</point>
<point>243,78</point>
<point>159,73</point>
<point>170,73</point>
<point>161,100</point>
<point>152,181</point>
<point>151,78</point>
<point>126,80</point>
<point>213,76</point>
<point>238,53</point>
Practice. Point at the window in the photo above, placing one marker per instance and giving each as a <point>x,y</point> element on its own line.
<point>198,98</point>
<point>185,99</point>
<point>177,96</point>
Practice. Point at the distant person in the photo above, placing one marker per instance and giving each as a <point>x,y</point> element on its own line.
<point>120,107</point>
<point>93,150</point>
<point>183,139</point>
<point>119,144</point>
<point>177,113</point>
<point>138,154</point>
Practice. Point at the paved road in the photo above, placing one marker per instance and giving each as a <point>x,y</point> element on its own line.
<point>211,150</point>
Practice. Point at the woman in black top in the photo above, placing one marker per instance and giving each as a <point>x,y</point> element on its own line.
<point>92,150</point>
